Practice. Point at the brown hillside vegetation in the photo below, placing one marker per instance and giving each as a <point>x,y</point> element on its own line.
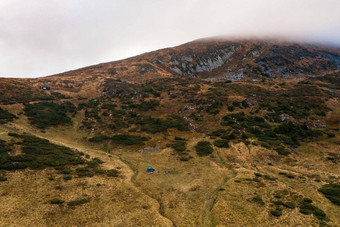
<point>240,133</point>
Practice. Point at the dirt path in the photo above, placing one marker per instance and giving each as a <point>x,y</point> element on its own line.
<point>160,206</point>
<point>109,163</point>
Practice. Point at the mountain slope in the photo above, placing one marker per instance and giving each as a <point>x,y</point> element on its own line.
<point>240,132</point>
<point>224,59</point>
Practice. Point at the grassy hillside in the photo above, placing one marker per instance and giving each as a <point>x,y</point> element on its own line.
<point>225,153</point>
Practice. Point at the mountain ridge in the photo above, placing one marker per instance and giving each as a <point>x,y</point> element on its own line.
<point>168,61</point>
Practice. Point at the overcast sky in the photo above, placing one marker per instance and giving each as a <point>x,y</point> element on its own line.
<point>44,37</point>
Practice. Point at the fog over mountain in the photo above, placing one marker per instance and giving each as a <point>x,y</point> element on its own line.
<point>39,38</point>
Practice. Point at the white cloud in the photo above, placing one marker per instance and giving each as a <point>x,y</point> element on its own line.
<point>40,37</point>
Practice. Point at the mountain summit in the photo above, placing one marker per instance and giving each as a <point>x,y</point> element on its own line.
<point>223,59</point>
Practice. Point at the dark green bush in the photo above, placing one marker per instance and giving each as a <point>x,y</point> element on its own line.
<point>296,131</point>
<point>127,139</point>
<point>258,200</point>
<point>307,200</point>
<point>155,125</point>
<point>112,173</point>
<point>2,178</point>
<point>56,201</point>
<point>203,148</point>
<point>282,151</point>
<point>179,145</point>
<point>331,135</point>
<point>307,208</point>
<point>38,154</point>
<point>77,202</point>
<point>218,133</point>
<point>289,205</point>
<point>278,202</point>
<point>99,138</point>
<point>185,158</point>
<point>84,172</point>
<point>66,171</point>
<point>109,106</point>
<point>6,116</point>
<point>276,213</point>
<point>222,143</point>
<point>68,177</point>
<point>44,114</point>
<point>94,163</point>
<point>148,105</point>
<point>331,192</point>
<point>231,108</point>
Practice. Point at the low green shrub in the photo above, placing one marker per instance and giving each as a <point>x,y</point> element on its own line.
<point>148,105</point>
<point>112,173</point>
<point>68,177</point>
<point>278,202</point>
<point>77,202</point>
<point>6,116</point>
<point>99,138</point>
<point>128,139</point>
<point>2,178</point>
<point>258,200</point>
<point>38,154</point>
<point>221,143</point>
<point>289,205</point>
<point>203,148</point>
<point>282,151</point>
<point>56,201</point>
<point>179,145</point>
<point>84,172</point>
<point>307,208</point>
<point>331,192</point>
<point>276,213</point>
<point>155,125</point>
<point>185,158</point>
<point>45,114</point>
<point>307,200</point>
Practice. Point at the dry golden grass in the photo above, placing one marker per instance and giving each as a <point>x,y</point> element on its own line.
<point>204,191</point>
<point>201,192</point>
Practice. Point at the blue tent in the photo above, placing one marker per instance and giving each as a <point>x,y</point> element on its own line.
<point>150,170</point>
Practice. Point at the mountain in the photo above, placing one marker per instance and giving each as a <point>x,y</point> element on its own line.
<point>239,132</point>
<point>223,59</point>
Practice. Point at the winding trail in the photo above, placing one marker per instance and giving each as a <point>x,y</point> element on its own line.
<point>109,163</point>
<point>160,207</point>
